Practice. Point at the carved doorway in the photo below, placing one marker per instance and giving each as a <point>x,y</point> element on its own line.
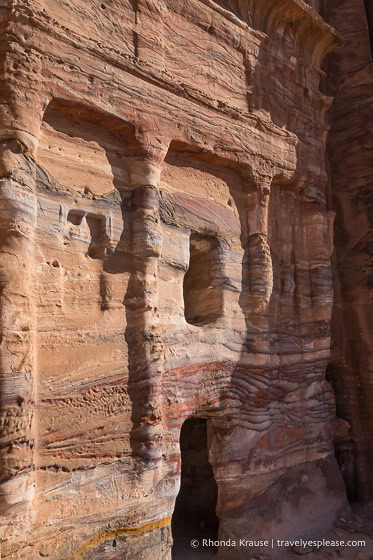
<point>195,516</point>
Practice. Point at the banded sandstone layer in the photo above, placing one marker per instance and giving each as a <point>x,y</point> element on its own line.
<point>165,254</point>
<point>349,149</point>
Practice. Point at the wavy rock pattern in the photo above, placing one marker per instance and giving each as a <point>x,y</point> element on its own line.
<point>165,253</point>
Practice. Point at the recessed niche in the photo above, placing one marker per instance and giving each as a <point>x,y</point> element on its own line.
<point>75,217</point>
<point>203,295</point>
<point>81,150</point>
<point>98,246</point>
<point>100,242</point>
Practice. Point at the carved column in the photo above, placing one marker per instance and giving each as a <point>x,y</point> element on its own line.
<point>18,360</point>
<point>259,253</point>
<point>143,331</point>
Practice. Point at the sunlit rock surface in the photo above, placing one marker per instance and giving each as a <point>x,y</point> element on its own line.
<point>165,253</point>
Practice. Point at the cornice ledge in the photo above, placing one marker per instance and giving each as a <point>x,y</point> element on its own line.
<point>245,23</point>
<point>314,37</point>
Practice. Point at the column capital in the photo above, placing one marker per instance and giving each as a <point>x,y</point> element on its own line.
<point>264,186</point>
<point>144,162</point>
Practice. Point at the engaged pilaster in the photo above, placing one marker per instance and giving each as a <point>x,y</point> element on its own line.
<point>259,253</point>
<point>18,361</point>
<point>143,332</point>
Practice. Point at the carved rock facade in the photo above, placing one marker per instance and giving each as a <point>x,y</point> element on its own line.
<point>165,253</point>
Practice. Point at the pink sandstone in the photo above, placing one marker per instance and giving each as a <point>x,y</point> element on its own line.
<point>166,254</point>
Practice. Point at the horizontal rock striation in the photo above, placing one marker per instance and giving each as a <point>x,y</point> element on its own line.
<point>166,246</point>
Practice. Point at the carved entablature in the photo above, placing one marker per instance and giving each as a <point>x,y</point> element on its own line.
<point>315,38</point>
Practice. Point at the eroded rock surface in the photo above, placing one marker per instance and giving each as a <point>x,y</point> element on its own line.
<point>166,248</point>
<point>349,150</point>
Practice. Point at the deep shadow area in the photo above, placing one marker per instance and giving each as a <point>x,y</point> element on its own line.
<point>369,11</point>
<point>195,510</point>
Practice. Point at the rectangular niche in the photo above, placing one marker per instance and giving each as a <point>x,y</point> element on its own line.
<point>202,199</point>
<point>202,287</point>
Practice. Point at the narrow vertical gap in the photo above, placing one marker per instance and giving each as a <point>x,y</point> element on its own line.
<point>136,43</point>
<point>369,12</point>
<point>135,7</point>
<point>135,34</point>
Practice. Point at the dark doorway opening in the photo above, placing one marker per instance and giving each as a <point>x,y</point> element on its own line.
<point>195,509</point>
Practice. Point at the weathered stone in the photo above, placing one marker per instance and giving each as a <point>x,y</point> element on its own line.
<point>166,248</point>
<point>349,150</point>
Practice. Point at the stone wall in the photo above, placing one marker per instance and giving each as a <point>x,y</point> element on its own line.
<point>166,247</point>
<point>349,149</point>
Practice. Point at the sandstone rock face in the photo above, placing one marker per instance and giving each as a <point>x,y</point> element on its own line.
<point>165,254</point>
<point>349,148</point>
